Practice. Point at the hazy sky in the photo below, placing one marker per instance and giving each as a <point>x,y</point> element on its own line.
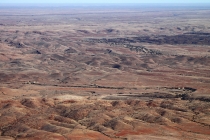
<point>104,1</point>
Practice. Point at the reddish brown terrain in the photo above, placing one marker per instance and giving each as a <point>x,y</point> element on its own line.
<point>104,73</point>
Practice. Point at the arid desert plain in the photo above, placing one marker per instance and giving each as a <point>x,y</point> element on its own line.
<point>104,73</point>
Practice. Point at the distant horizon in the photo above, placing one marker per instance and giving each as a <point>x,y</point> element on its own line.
<point>95,3</point>
<point>156,5</point>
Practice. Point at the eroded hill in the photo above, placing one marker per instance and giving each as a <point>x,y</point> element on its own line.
<point>100,74</point>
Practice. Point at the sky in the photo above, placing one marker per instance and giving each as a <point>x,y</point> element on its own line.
<point>104,1</point>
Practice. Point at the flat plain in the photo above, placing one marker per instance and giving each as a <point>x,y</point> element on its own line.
<point>102,73</point>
